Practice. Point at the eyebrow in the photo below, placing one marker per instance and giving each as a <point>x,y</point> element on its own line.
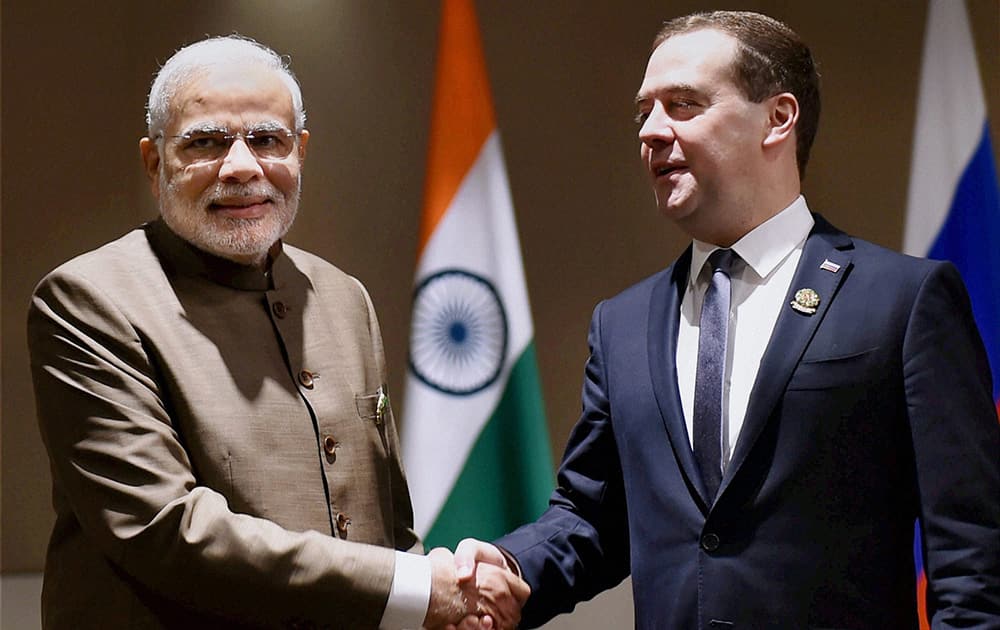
<point>268,125</point>
<point>679,88</point>
<point>206,127</point>
<point>212,127</point>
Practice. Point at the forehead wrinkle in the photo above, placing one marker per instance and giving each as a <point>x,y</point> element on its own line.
<point>221,92</point>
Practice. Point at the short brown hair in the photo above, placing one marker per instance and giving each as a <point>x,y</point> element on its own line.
<point>770,59</point>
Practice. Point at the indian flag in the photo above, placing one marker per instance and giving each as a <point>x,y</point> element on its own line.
<point>475,442</point>
<point>953,209</point>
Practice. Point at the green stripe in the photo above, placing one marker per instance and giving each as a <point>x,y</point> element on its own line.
<point>508,477</point>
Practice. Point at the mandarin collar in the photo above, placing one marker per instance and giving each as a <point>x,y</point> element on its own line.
<point>185,259</point>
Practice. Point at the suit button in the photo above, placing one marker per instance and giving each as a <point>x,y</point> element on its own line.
<point>330,445</point>
<point>710,542</point>
<point>279,309</point>
<point>307,378</point>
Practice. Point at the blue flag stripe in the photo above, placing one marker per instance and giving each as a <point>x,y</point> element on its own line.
<point>970,238</point>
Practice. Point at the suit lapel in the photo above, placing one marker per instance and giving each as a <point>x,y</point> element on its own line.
<point>664,319</point>
<point>792,332</point>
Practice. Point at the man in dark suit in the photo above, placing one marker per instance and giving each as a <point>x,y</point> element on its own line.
<point>759,435</point>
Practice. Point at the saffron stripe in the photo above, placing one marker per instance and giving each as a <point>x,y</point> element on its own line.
<point>462,117</point>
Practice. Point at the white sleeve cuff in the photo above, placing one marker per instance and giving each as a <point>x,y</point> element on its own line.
<point>410,594</point>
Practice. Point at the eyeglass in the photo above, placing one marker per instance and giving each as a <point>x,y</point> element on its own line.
<point>211,145</point>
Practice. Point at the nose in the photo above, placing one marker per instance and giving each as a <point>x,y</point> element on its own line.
<point>656,129</point>
<point>240,164</point>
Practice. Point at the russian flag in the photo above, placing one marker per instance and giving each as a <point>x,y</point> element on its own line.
<point>953,205</point>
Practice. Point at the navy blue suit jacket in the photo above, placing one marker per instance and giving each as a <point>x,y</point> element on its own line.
<point>873,411</point>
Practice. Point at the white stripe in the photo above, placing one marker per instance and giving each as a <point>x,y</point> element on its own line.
<point>477,234</point>
<point>951,112</point>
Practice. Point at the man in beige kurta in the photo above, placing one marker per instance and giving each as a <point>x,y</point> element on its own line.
<point>214,401</point>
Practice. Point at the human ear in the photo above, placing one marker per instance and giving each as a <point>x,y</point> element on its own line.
<point>151,163</point>
<point>783,114</point>
<point>303,141</point>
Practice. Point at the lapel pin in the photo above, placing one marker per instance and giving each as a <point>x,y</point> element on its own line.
<point>806,301</point>
<point>380,406</point>
<point>829,265</point>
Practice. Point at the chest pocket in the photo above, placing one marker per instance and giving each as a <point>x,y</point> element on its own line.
<point>835,372</point>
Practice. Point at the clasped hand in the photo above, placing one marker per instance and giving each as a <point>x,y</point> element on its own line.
<point>474,589</point>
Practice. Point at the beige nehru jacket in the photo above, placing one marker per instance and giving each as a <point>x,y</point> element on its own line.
<point>218,457</point>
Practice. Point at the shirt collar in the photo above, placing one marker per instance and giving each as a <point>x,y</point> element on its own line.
<point>765,246</point>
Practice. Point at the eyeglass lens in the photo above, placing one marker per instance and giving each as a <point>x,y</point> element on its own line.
<point>205,146</point>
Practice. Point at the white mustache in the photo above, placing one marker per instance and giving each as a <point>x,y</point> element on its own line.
<point>229,191</point>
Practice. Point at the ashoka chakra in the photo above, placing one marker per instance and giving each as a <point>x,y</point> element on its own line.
<point>458,339</point>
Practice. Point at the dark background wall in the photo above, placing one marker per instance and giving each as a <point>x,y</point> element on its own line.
<point>564,73</point>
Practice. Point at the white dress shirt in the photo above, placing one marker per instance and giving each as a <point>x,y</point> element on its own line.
<point>410,593</point>
<point>771,253</point>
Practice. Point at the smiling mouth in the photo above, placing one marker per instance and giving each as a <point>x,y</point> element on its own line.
<point>250,208</point>
<point>237,202</point>
<point>667,170</point>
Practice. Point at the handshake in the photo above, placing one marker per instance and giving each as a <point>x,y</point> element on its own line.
<point>474,589</point>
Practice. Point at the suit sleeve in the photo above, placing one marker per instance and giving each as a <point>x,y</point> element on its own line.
<point>406,538</point>
<point>122,471</point>
<point>956,441</point>
<point>579,546</point>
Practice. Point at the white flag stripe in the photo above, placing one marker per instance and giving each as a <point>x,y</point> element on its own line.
<point>476,234</point>
<point>950,90</point>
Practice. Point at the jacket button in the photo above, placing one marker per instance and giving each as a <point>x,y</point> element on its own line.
<point>330,445</point>
<point>306,378</point>
<point>279,309</point>
<point>710,542</point>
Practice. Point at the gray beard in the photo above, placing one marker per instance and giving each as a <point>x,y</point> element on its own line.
<point>244,241</point>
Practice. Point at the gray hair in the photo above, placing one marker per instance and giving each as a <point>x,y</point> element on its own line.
<point>196,57</point>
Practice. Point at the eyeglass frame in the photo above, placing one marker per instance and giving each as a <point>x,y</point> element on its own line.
<point>228,139</point>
